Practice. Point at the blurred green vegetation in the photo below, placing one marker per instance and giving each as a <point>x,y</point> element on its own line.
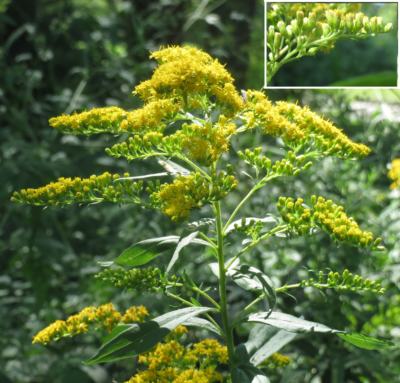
<point>61,56</point>
<point>375,57</point>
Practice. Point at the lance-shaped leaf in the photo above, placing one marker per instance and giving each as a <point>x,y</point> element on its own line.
<point>239,222</point>
<point>141,337</point>
<point>189,236</point>
<point>144,251</point>
<point>292,324</point>
<point>264,340</point>
<point>202,323</point>
<point>172,167</point>
<point>215,266</point>
<point>246,373</point>
<point>250,278</point>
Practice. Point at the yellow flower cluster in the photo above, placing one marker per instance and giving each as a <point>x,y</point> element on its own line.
<point>94,121</point>
<point>277,360</point>
<point>173,363</point>
<point>268,119</point>
<point>206,143</point>
<point>297,125</point>
<point>185,194</point>
<point>67,191</point>
<point>394,173</point>
<point>89,318</point>
<point>327,137</point>
<point>328,217</point>
<point>187,72</point>
<point>150,117</point>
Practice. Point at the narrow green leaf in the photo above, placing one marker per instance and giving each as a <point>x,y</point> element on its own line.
<point>144,251</point>
<point>365,341</point>
<point>264,340</point>
<point>172,167</point>
<point>239,376</point>
<point>254,374</point>
<point>195,302</point>
<point>141,337</point>
<point>250,278</point>
<point>187,237</point>
<point>203,323</point>
<point>292,324</point>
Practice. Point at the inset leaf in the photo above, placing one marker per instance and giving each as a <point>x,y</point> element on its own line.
<point>365,341</point>
<point>141,337</point>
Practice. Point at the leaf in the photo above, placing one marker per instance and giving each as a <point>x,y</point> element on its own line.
<point>202,323</point>
<point>254,374</point>
<point>264,340</point>
<point>145,176</point>
<point>185,239</point>
<point>274,344</point>
<point>172,167</point>
<point>239,222</point>
<point>239,376</point>
<point>365,341</point>
<point>196,302</point>
<point>292,324</point>
<point>144,251</point>
<point>250,278</point>
<point>141,337</point>
<point>215,267</point>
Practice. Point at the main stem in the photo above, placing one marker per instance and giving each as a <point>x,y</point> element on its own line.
<point>222,288</point>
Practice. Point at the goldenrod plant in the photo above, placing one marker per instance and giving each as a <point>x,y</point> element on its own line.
<point>191,113</point>
<point>295,30</point>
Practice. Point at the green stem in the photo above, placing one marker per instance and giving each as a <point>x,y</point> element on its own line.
<point>208,240</point>
<point>222,289</point>
<point>197,291</point>
<point>269,234</point>
<point>195,167</point>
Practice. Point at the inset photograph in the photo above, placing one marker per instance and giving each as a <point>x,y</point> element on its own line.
<point>331,45</point>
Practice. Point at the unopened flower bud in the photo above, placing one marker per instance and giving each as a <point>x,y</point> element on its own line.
<point>326,29</point>
<point>318,30</point>
<point>379,23</point>
<point>349,22</point>
<point>388,28</point>
<point>282,29</point>
<point>277,40</point>
<point>311,20</point>
<point>271,35</point>
<point>289,31</point>
<point>305,24</point>
<point>295,28</point>
<point>358,23</point>
<point>366,24</point>
<point>300,19</point>
<point>374,24</point>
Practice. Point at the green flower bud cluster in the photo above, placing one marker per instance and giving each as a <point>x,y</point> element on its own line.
<point>287,167</point>
<point>137,279</point>
<point>346,281</point>
<point>252,228</point>
<point>329,218</point>
<point>137,147</point>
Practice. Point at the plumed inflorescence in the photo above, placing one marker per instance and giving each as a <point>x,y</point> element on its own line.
<point>137,279</point>
<point>327,216</point>
<point>90,318</point>
<point>185,194</point>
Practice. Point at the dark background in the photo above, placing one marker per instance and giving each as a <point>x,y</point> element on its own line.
<point>61,56</point>
<point>369,62</point>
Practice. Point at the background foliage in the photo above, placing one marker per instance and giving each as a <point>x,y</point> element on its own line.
<point>369,62</point>
<point>61,56</point>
